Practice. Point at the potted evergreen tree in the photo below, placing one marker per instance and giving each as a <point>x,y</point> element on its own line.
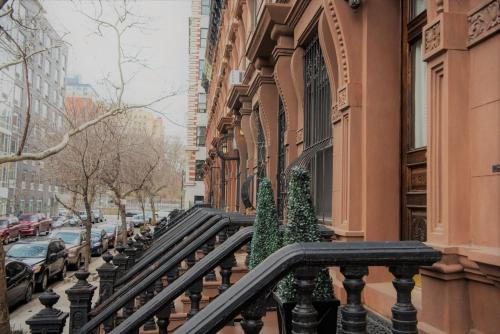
<point>266,236</point>
<point>302,227</point>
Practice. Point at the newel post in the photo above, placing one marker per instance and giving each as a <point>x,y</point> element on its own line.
<point>80,298</point>
<point>49,320</point>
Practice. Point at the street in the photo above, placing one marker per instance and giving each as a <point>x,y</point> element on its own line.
<point>20,313</point>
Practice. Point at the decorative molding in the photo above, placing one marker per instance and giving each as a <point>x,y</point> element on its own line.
<point>300,136</point>
<point>432,37</point>
<point>336,114</point>
<point>342,99</point>
<point>483,22</point>
<point>341,42</point>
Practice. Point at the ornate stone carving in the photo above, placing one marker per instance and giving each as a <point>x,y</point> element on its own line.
<point>341,42</point>
<point>342,98</point>
<point>336,114</point>
<point>433,37</point>
<point>483,22</point>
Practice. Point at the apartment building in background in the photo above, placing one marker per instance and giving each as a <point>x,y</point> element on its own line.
<point>193,187</point>
<point>24,186</point>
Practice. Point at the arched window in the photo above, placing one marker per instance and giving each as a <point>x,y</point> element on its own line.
<point>318,129</point>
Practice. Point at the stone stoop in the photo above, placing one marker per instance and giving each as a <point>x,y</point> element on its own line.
<point>211,289</point>
<point>176,320</point>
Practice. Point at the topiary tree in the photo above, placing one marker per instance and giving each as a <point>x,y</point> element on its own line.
<point>266,235</point>
<point>302,227</point>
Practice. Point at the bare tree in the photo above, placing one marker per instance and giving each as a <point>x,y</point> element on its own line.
<point>128,165</point>
<point>18,53</point>
<point>77,167</point>
<point>165,180</point>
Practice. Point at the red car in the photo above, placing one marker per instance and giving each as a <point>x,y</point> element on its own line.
<point>33,223</point>
<point>9,229</point>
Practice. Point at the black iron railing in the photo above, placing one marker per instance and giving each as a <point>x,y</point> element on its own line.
<point>166,263</point>
<point>402,258</point>
<point>172,291</point>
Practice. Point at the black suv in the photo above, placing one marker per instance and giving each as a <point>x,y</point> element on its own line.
<point>47,258</point>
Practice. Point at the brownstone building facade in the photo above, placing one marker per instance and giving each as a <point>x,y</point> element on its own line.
<point>394,107</point>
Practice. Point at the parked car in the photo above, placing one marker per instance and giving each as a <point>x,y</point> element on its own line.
<point>48,258</point>
<point>20,282</point>
<point>111,233</point>
<point>72,221</point>
<point>99,241</point>
<point>75,242</point>
<point>130,214</point>
<point>9,229</point>
<point>97,216</point>
<point>138,220</point>
<point>33,223</point>
<point>58,222</point>
<point>130,229</point>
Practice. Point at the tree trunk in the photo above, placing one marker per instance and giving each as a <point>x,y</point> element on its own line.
<point>123,215</point>
<point>88,228</point>
<point>153,210</point>
<point>143,207</point>
<point>4,306</point>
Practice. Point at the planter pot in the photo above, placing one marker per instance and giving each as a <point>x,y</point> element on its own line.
<point>327,315</point>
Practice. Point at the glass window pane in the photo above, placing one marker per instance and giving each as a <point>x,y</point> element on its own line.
<point>417,7</point>
<point>419,96</point>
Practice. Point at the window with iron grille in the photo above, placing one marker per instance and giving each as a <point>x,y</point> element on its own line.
<point>261,149</point>
<point>318,129</point>
<point>281,159</point>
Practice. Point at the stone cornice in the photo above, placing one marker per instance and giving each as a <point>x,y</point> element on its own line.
<point>296,12</point>
<point>224,124</point>
<point>233,100</point>
<point>260,79</point>
<point>261,44</point>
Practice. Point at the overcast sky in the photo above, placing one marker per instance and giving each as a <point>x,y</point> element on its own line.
<point>163,43</point>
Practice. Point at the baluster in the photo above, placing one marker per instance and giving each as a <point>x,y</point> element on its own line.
<point>171,277</point>
<point>304,315</point>
<point>210,247</point>
<point>163,314</point>
<point>80,298</point>
<point>404,314</point>
<point>150,324</point>
<point>252,315</point>
<point>230,232</point>
<point>353,313</point>
<point>194,291</point>
<point>195,296</point>
<point>225,273</point>
<point>48,320</point>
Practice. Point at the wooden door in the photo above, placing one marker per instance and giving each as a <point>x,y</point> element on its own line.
<point>414,124</point>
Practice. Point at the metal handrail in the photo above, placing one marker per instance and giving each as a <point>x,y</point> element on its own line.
<point>167,241</point>
<point>175,289</point>
<point>149,262</point>
<point>171,259</point>
<point>216,314</point>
